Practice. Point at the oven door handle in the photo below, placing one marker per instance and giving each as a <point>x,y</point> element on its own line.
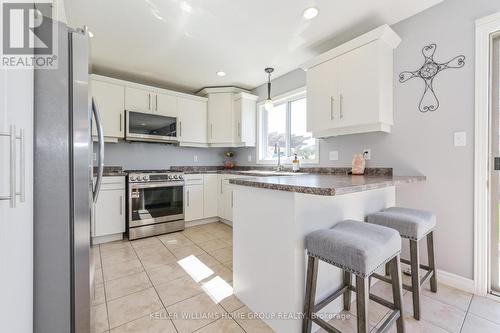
<point>159,184</point>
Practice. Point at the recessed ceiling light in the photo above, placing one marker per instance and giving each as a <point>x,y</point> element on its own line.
<point>186,7</point>
<point>310,13</point>
<point>221,73</point>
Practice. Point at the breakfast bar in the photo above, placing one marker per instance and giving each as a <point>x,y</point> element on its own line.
<point>272,216</point>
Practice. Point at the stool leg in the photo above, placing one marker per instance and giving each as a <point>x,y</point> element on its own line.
<point>347,294</point>
<point>362,297</point>
<point>432,260</point>
<point>397,291</point>
<point>312,274</point>
<point>415,278</point>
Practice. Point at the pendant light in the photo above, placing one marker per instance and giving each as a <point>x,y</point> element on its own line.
<point>269,105</point>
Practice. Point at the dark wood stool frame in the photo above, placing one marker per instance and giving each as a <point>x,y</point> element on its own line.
<point>362,291</point>
<point>416,281</point>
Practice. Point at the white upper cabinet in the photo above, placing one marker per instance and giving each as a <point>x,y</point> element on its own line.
<point>350,88</point>
<point>220,128</point>
<point>244,119</point>
<point>166,105</point>
<point>231,117</point>
<point>109,99</point>
<point>192,121</point>
<point>140,100</point>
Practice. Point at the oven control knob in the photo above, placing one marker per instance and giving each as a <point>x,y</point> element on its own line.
<point>170,177</point>
<point>180,177</point>
<point>145,177</point>
<point>132,178</point>
<point>140,177</point>
<point>176,177</point>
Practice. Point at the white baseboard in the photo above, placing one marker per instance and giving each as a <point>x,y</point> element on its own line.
<point>455,281</point>
<point>202,221</point>
<point>106,239</point>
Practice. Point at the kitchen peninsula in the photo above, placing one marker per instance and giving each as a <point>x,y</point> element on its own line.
<point>272,216</point>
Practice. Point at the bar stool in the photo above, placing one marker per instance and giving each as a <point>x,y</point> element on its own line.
<point>414,225</point>
<point>357,248</point>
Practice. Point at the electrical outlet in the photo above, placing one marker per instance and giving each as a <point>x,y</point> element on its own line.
<point>334,155</point>
<point>367,154</point>
<point>249,158</point>
<point>196,158</point>
<point>460,139</point>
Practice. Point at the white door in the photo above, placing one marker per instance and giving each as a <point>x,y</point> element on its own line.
<point>138,100</point>
<point>210,195</point>
<point>109,213</point>
<point>16,224</point>
<point>166,105</point>
<point>194,202</point>
<point>220,122</point>
<point>110,100</point>
<point>359,86</point>
<point>322,96</point>
<point>192,121</point>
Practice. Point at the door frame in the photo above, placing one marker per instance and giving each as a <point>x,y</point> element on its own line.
<point>485,28</point>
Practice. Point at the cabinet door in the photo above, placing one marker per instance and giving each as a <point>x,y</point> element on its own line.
<point>322,96</point>
<point>138,100</point>
<point>165,105</point>
<point>109,213</point>
<point>110,99</point>
<point>220,195</point>
<point>193,207</point>
<point>248,126</point>
<point>192,120</point>
<point>210,195</point>
<point>237,109</point>
<point>359,86</point>
<point>227,191</point>
<point>220,129</point>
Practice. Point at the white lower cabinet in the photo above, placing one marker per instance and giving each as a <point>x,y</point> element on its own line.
<point>109,210</point>
<point>210,195</point>
<point>193,202</point>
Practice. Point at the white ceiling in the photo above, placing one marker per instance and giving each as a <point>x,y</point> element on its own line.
<point>156,41</point>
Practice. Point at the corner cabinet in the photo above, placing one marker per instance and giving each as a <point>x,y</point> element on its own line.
<point>350,88</point>
<point>231,117</point>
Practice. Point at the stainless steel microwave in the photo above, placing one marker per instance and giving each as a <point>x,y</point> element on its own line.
<point>150,127</point>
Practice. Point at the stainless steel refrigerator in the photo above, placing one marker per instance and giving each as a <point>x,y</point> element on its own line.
<point>63,189</point>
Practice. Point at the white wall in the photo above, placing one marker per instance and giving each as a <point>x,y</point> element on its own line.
<point>423,143</point>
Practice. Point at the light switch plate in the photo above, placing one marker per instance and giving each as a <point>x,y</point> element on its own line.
<point>460,139</point>
<point>334,155</point>
<point>367,154</point>
<point>196,158</point>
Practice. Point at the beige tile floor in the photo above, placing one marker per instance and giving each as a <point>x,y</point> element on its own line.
<point>182,282</point>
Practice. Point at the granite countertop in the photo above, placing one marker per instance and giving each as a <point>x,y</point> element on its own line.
<point>320,184</point>
<point>111,171</point>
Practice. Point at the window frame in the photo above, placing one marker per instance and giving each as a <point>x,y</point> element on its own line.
<point>288,98</point>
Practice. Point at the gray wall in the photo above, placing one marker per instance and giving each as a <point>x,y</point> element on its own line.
<point>423,143</point>
<point>137,155</point>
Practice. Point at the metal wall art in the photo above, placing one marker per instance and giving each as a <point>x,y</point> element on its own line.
<point>428,71</point>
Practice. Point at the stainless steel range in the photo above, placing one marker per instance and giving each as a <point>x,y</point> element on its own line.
<point>155,202</point>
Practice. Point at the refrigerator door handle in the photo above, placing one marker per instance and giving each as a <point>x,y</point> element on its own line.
<point>100,155</point>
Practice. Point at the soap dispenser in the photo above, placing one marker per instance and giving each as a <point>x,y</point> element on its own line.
<point>295,164</point>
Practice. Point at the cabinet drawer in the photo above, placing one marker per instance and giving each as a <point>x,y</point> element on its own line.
<point>113,183</point>
<point>193,179</point>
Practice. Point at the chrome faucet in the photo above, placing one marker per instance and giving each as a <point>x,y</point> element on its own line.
<point>277,151</point>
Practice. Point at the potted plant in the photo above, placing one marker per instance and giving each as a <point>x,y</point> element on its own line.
<point>229,164</point>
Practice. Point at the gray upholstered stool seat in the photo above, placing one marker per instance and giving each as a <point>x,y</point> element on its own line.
<point>355,246</point>
<point>415,225</point>
<point>358,248</point>
<point>411,223</point>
